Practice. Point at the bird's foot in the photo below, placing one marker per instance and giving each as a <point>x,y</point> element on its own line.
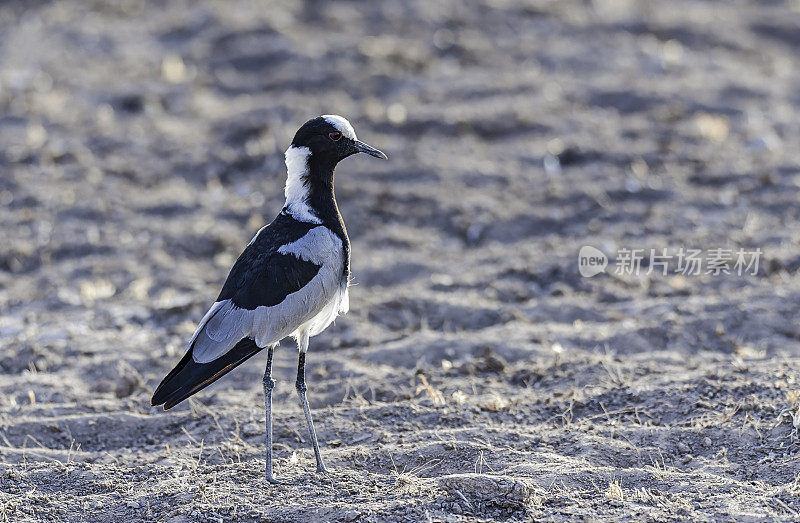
<point>321,469</point>
<point>271,479</point>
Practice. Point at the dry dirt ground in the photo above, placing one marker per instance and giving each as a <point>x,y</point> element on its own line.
<point>141,147</point>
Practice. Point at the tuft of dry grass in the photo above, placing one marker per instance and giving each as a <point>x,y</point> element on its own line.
<point>435,395</point>
<point>614,491</point>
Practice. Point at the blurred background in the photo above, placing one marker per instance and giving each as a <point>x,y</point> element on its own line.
<point>141,147</point>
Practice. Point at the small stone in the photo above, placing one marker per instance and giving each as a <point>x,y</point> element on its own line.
<point>490,361</point>
<point>495,403</point>
<point>498,491</point>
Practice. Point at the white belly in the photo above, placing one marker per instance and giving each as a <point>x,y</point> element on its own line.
<point>339,305</point>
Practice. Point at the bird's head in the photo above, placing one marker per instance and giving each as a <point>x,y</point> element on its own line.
<point>317,147</point>
<point>330,139</point>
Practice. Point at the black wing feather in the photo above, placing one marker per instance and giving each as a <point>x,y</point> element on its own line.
<point>267,280</point>
<point>189,377</point>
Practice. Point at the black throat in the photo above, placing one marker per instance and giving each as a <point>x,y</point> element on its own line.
<point>322,200</point>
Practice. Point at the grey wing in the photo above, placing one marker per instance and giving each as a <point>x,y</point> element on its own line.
<point>220,330</point>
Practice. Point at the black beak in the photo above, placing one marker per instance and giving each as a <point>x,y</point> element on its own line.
<point>364,148</point>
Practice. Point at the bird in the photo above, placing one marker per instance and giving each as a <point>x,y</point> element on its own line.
<point>291,280</point>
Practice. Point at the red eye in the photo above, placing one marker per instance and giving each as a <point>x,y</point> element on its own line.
<point>335,136</point>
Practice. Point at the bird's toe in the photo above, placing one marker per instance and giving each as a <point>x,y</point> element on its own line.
<point>272,481</point>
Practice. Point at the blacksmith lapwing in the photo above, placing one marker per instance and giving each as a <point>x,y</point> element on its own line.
<point>291,279</point>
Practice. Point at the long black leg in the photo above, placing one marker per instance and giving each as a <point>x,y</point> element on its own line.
<point>301,390</point>
<point>269,384</point>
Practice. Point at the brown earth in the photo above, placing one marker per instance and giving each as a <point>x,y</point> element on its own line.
<point>141,147</point>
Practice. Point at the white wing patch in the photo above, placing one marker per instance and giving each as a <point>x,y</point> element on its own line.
<point>341,124</point>
<point>311,309</point>
<point>319,245</point>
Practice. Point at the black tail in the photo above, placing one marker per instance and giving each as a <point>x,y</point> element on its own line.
<point>189,377</point>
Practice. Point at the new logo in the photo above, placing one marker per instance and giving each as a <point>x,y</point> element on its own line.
<point>591,261</point>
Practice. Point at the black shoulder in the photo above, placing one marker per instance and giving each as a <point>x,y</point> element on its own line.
<point>262,275</point>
